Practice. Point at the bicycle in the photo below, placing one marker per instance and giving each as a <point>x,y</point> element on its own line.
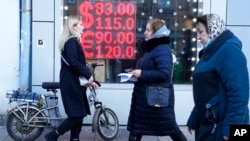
<point>34,112</point>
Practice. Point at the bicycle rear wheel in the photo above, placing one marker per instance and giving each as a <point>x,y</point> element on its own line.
<point>19,131</point>
<point>107,124</point>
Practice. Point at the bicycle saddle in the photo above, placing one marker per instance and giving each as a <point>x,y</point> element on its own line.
<point>51,85</point>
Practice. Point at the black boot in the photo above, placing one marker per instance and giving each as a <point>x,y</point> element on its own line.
<point>179,137</point>
<point>133,137</point>
<point>51,136</point>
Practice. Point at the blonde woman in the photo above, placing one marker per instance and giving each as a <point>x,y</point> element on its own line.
<point>73,65</point>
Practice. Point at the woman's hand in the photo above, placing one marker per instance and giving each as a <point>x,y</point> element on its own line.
<point>90,81</point>
<point>136,73</point>
<point>190,130</point>
<point>225,138</point>
<point>94,86</point>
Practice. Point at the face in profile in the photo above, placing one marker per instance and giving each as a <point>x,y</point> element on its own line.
<point>148,32</point>
<point>202,34</point>
<point>79,28</point>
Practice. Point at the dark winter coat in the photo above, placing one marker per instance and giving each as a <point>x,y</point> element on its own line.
<point>73,95</point>
<point>220,80</point>
<point>156,66</point>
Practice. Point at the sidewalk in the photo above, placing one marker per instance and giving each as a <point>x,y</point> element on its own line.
<point>87,135</point>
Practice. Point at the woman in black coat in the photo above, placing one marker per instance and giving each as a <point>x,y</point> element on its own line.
<point>73,65</point>
<point>155,68</point>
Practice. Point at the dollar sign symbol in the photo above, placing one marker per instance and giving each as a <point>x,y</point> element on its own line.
<point>85,10</point>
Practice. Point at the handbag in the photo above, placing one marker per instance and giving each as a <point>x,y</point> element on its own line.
<point>83,81</point>
<point>157,96</point>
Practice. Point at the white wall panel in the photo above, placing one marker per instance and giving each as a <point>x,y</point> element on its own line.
<point>43,10</point>
<point>58,30</point>
<point>9,45</point>
<point>42,54</point>
<point>238,12</point>
<point>206,6</point>
<point>219,7</point>
<point>216,7</point>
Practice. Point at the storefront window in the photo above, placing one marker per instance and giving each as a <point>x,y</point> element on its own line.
<point>115,30</point>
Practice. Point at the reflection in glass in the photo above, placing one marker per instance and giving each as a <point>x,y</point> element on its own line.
<point>178,16</point>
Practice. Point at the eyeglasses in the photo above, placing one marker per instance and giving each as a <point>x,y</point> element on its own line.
<point>210,115</point>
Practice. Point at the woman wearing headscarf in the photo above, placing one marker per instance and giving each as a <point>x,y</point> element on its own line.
<point>154,67</point>
<point>220,82</point>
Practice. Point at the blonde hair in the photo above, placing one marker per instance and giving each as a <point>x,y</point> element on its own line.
<point>68,31</point>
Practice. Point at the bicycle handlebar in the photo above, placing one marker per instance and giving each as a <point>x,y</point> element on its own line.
<point>94,65</point>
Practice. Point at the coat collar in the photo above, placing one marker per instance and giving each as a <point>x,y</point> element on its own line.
<point>210,50</point>
<point>152,43</point>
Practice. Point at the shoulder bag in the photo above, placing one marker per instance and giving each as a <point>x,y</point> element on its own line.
<point>158,95</point>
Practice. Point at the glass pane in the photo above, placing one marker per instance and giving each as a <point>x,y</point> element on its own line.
<point>117,28</point>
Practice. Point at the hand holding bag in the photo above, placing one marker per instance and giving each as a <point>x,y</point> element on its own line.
<point>157,96</point>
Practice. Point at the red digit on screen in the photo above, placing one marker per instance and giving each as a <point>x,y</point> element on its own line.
<point>108,38</point>
<point>99,8</point>
<point>130,52</point>
<point>108,50</point>
<point>130,23</point>
<point>99,37</point>
<point>108,23</point>
<point>117,23</point>
<point>108,8</point>
<point>120,37</point>
<point>121,9</point>
<point>130,37</point>
<point>116,51</point>
<point>99,52</point>
<point>130,8</point>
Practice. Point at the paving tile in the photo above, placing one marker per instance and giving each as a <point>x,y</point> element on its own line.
<point>88,135</point>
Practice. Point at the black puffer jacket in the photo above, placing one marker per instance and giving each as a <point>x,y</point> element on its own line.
<point>156,66</point>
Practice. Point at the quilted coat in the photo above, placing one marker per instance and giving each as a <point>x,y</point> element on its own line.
<point>73,95</point>
<point>156,66</point>
<point>220,89</point>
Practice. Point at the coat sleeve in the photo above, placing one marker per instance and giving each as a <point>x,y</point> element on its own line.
<point>232,68</point>
<point>159,65</point>
<point>191,119</point>
<point>75,62</point>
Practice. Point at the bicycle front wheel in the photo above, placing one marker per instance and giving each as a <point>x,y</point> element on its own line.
<point>107,124</point>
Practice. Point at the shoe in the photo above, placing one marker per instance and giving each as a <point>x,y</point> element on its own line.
<point>51,136</point>
<point>179,137</point>
<point>133,137</point>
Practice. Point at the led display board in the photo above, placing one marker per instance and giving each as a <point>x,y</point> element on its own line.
<point>109,29</point>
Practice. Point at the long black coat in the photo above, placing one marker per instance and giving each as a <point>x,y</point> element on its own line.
<point>156,66</point>
<point>73,95</point>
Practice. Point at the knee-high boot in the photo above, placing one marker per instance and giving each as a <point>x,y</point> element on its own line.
<point>179,137</point>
